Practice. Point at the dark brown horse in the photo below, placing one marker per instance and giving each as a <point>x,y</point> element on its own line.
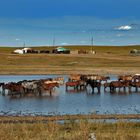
<point>94,84</point>
<point>1,86</point>
<point>13,88</point>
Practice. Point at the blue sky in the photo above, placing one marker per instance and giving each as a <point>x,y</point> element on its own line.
<point>37,22</point>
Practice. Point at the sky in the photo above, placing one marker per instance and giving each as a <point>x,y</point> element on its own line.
<point>62,22</point>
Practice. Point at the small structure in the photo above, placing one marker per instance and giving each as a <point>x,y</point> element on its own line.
<point>61,50</point>
<point>23,51</point>
<point>135,52</point>
<point>18,51</point>
<point>27,50</point>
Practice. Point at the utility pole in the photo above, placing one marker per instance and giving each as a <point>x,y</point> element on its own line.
<point>92,44</point>
<point>53,41</point>
<point>24,44</point>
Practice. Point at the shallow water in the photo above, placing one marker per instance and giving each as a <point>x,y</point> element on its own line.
<point>70,102</point>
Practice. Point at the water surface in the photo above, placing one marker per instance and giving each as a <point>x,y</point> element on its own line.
<point>70,102</point>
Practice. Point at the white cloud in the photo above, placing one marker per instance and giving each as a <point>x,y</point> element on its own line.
<point>124,28</point>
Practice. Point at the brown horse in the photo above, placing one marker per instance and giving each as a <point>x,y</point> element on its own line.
<point>13,88</point>
<point>74,84</point>
<point>136,85</point>
<point>50,86</point>
<point>106,85</point>
<point>125,78</point>
<point>116,84</point>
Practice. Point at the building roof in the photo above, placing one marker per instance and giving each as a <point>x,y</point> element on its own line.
<point>61,49</point>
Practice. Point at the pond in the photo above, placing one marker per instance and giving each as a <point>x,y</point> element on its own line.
<point>70,102</point>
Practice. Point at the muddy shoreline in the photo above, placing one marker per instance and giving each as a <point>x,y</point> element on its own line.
<point>35,119</point>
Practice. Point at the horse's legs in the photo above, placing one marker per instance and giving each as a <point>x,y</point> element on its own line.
<point>92,90</point>
<point>66,88</point>
<point>99,89</point>
<point>136,89</point>
<point>50,92</point>
<point>129,87</point>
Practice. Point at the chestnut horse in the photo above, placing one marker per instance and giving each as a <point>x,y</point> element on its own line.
<point>116,84</point>
<point>50,86</point>
<point>74,84</point>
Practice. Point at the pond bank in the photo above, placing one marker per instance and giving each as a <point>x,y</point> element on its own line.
<point>26,119</point>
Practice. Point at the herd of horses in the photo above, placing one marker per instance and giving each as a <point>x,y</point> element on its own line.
<point>96,81</point>
<point>36,87</point>
<point>78,82</point>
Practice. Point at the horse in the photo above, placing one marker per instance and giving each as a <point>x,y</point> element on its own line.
<point>105,78</point>
<point>125,78</point>
<point>50,86</point>
<point>60,80</point>
<point>106,85</point>
<point>13,88</point>
<point>1,85</point>
<point>116,84</point>
<point>136,85</point>
<point>136,78</point>
<point>74,84</point>
<point>31,86</point>
<point>94,84</point>
<point>81,84</point>
<point>98,78</point>
<point>75,77</point>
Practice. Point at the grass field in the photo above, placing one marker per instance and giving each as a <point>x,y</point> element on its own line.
<point>70,130</point>
<point>107,60</point>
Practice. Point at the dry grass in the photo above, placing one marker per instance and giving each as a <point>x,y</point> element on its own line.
<point>70,130</point>
<point>108,60</point>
